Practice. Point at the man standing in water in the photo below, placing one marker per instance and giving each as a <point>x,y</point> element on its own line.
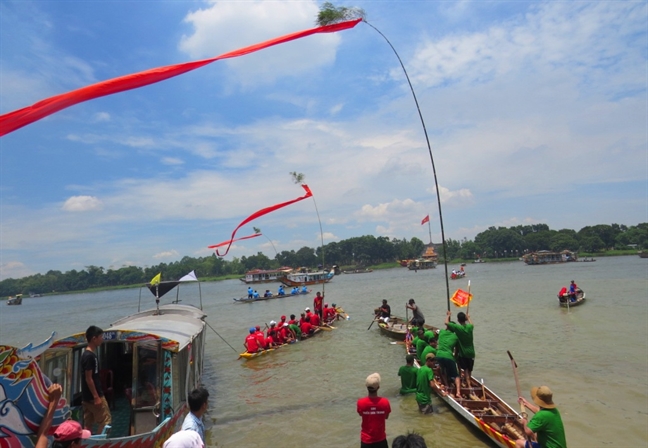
<point>546,423</point>
<point>374,411</point>
<point>95,407</point>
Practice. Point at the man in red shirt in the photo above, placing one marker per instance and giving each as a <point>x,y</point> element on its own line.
<point>261,340</point>
<point>251,343</point>
<point>374,411</point>
<point>315,320</point>
<point>271,334</point>
<point>306,327</point>
<point>317,303</point>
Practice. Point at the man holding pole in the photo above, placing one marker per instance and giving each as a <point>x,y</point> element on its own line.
<point>466,352</point>
<point>546,423</point>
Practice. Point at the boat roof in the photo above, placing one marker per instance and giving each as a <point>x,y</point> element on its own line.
<point>175,326</point>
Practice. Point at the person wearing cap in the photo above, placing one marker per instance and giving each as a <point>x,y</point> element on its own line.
<point>424,384</point>
<point>287,334</point>
<point>95,406</point>
<point>251,343</point>
<point>68,434</point>
<point>281,322</point>
<point>281,291</point>
<point>260,337</point>
<point>407,375</point>
<point>374,411</point>
<point>250,292</point>
<point>445,357</point>
<point>466,348</point>
<point>546,424</point>
<point>417,316</point>
<point>573,288</point>
<point>271,334</point>
<point>198,400</point>
<point>318,301</point>
<point>184,439</point>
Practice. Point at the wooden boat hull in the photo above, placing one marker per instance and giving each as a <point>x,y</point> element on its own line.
<point>247,355</point>
<point>457,276</point>
<point>397,328</point>
<point>482,408</point>
<point>565,301</point>
<point>358,271</point>
<point>274,296</point>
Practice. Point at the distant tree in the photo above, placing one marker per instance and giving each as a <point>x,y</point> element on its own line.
<point>591,243</point>
<point>561,241</point>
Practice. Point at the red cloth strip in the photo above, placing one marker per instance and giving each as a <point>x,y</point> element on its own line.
<point>232,241</point>
<point>263,211</point>
<point>11,121</point>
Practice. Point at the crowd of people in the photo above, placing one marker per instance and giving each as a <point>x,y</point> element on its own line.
<point>287,331</point>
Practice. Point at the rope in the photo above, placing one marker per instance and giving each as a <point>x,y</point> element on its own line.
<point>235,351</point>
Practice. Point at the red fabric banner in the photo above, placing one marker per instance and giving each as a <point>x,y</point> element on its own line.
<point>258,214</point>
<point>233,241</point>
<point>426,219</point>
<point>461,298</point>
<point>11,121</point>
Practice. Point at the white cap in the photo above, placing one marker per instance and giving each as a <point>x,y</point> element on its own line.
<point>306,309</point>
<point>272,322</point>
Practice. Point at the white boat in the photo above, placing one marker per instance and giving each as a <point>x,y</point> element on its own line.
<point>307,278</point>
<point>265,276</point>
<point>15,300</point>
<point>150,361</point>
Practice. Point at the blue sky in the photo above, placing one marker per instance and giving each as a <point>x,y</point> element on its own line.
<point>536,113</point>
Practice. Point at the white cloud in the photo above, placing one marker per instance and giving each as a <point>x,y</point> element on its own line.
<point>14,269</point>
<point>225,26</point>
<point>172,161</point>
<point>166,254</point>
<point>101,117</point>
<point>82,204</point>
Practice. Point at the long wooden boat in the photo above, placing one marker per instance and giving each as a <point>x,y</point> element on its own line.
<point>307,278</point>
<point>548,257</point>
<point>327,326</point>
<point>565,300</point>
<point>150,361</point>
<point>274,296</point>
<point>457,275</point>
<point>358,271</point>
<point>397,328</point>
<point>265,276</point>
<point>16,300</point>
<point>480,407</point>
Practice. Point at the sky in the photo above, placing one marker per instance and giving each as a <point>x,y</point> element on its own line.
<point>536,112</point>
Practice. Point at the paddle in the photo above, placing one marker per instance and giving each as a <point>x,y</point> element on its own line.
<point>372,322</point>
<point>329,328</point>
<point>517,382</point>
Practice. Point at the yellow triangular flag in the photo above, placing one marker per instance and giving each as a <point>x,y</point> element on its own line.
<point>155,280</point>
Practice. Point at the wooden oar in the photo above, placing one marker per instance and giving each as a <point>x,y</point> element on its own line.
<point>372,322</point>
<point>517,381</point>
<point>326,328</point>
<point>468,307</point>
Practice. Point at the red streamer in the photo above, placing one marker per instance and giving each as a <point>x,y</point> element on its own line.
<point>11,121</point>
<point>258,214</point>
<point>232,241</point>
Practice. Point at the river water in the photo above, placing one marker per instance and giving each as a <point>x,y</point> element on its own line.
<point>594,357</point>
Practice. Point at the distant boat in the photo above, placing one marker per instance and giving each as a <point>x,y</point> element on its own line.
<point>478,260</point>
<point>17,300</point>
<point>307,278</point>
<point>358,271</point>
<point>566,301</point>
<point>265,276</point>
<point>643,254</point>
<point>457,275</point>
<point>415,265</point>
<point>548,257</point>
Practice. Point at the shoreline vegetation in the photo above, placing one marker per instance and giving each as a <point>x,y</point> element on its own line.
<point>389,265</point>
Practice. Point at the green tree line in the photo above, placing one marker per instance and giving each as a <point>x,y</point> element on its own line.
<point>365,250</point>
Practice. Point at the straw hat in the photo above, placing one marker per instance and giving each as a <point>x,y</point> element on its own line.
<point>543,397</point>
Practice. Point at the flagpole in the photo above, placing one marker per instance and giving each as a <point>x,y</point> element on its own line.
<point>430,231</point>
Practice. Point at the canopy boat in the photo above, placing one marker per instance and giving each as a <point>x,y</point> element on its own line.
<point>307,278</point>
<point>150,362</point>
<point>480,407</point>
<point>265,276</point>
<point>358,271</point>
<point>16,300</point>
<point>566,301</point>
<point>274,296</point>
<point>547,257</point>
<point>415,265</point>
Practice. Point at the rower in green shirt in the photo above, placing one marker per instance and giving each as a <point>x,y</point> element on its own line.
<point>466,350</point>
<point>407,374</point>
<point>424,382</point>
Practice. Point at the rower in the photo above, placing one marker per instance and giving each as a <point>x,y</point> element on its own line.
<point>306,327</point>
<point>315,319</point>
<point>255,294</point>
<point>385,312</point>
<point>251,344</point>
<point>250,292</point>
<point>261,340</point>
<point>271,334</point>
<point>281,291</point>
<point>267,293</point>
<point>304,289</point>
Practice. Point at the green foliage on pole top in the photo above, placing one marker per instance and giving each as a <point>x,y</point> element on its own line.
<point>297,178</point>
<point>330,14</point>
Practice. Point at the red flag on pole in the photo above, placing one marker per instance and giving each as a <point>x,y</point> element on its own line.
<point>426,219</point>
<point>461,298</point>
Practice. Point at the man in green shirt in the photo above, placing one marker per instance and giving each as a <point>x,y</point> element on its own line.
<point>424,382</point>
<point>445,357</point>
<point>466,349</point>
<point>407,374</point>
<point>546,424</point>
